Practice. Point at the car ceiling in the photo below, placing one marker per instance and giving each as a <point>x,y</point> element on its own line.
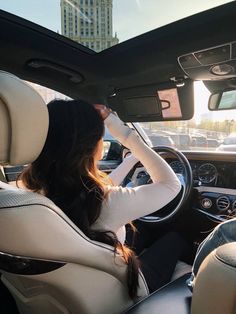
<point>42,56</point>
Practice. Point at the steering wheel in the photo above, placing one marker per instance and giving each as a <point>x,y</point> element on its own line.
<point>169,211</point>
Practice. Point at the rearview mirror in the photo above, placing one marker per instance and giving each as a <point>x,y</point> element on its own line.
<point>223,100</point>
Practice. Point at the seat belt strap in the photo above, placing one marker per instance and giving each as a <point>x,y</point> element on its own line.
<point>2,176</point>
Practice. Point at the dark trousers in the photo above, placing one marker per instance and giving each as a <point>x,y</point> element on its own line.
<point>158,261</point>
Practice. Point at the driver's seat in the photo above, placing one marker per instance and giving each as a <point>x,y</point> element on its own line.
<point>46,262</point>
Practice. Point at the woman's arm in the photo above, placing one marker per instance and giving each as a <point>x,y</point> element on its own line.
<point>126,204</point>
<point>117,176</point>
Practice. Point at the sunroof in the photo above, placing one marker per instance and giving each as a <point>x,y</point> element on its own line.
<point>100,24</point>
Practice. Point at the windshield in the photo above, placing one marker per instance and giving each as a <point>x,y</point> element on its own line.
<point>100,24</point>
<point>207,130</point>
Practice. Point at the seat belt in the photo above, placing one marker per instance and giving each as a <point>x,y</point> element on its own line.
<point>2,176</point>
<point>3,182</point>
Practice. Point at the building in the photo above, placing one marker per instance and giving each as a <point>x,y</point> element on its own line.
<point>48,94</point>
<point>88,22</point>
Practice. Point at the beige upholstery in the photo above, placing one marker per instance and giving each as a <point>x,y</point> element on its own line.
<point>23,121</point>
<point>215,284</point>
<point>91,280</point>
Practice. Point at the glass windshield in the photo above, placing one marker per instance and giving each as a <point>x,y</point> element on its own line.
<point>100,24</point>
<point>207,130</point>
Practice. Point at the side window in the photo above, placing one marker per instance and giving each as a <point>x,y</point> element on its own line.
<point>46,93</point>
<point>112,149</point>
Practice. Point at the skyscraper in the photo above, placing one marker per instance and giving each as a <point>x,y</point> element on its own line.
<point>88,22</point>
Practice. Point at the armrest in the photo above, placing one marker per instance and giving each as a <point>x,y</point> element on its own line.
<point>175,298</point>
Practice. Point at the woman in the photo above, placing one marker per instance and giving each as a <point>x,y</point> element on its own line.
<point>66,172</point>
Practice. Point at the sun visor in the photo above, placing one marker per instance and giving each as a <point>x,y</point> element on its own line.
<point>162,102</point>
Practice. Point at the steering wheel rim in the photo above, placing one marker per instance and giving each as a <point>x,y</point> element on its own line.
<point>187,185</point>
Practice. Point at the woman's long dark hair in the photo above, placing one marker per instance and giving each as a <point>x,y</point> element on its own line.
<point>66,173</point>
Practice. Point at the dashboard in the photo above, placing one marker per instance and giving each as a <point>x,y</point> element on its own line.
<point>213,173</point>
<point>214,182</point>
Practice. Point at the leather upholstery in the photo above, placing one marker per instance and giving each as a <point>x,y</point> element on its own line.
<point>215,284</point>
<point>174,298</point>
<point>23,121</point>
<point>32,226</point>
<point>214,289</point>
<point>92,280</point>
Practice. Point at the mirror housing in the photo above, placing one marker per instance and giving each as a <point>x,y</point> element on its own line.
<point>224,100</point>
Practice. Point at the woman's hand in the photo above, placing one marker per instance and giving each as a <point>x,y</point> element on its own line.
<point>103,110</point>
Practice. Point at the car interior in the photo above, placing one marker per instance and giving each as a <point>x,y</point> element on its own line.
<point>47,264</point>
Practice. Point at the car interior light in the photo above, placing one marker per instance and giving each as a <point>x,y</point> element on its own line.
<point>222,69</point>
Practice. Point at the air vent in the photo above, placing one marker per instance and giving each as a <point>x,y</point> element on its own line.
<point>223,203</point>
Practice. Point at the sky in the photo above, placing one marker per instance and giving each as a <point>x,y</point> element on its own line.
<point>130,18</point>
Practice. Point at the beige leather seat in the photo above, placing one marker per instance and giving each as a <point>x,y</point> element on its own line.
<point>214,291</point>
<point>46,262</point>
<point>215,284</point>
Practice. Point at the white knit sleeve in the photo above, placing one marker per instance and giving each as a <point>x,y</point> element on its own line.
<point>126,204</point>
<point>117,175</point>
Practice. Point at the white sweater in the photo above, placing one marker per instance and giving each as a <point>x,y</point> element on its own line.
<point>122,205</point>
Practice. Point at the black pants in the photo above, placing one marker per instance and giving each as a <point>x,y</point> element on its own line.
<point>158,261</point>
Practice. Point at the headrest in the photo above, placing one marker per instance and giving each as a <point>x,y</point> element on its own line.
<point>23,121</point>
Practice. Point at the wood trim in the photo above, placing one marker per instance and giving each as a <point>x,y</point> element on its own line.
<point>202,189</point>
